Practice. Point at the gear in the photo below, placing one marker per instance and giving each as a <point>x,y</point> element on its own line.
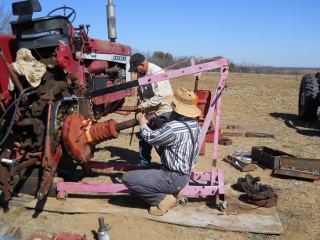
<point>247,182</point>
<point>262,195</point>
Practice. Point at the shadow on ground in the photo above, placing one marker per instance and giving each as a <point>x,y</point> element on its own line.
<point>292,121</point>
<point>124,154</point>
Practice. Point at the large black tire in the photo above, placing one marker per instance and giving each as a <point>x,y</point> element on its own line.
<point>309,98</point>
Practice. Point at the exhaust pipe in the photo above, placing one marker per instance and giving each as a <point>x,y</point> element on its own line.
<point>111,19</point>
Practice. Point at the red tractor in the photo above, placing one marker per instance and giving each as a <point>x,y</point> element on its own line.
<point>33,113</point>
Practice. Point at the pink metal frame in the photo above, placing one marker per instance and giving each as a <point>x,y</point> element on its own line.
<point>215,177</point>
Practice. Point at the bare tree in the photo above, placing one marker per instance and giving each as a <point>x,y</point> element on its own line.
<point>5,18</point>
<point>162,59</point>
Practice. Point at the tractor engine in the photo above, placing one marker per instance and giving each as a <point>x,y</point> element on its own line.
<point>33,113</point>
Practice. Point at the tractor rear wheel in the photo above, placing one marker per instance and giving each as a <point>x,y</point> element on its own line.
<point>308,98</point>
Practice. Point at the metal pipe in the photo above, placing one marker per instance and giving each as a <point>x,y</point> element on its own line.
<point>8,161</point>
<point>111,20</point>
<point>103,231</point>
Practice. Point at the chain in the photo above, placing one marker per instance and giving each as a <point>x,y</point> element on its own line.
<point>91,110</point>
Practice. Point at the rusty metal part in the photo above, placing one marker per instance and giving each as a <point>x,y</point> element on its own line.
<point>50,160</point>
<point>222,140</point>
<point>80,136</point>
<point>247,182</point>
<point>80,141</point>
<point>130,109</point>
<point>37,130</point>
<point>57,88</point>
<point>5,178</point>
<point>269,202</point>
<point>24,165</point>
<point>13,75</point>
<point>51,62</point>
<point>262,195</point>
<point>261,135</point>
<point>248,134</point>
<point>238,164</point>
<point>283,163</point>
<point>267,157</point>
<point>299,167</point>
<point>260,192</point>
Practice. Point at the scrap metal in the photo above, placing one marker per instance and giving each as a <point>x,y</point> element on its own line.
<point>239,164</point>
<point>283,163</point>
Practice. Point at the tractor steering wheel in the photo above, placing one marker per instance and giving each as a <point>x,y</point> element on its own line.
<point>72,13</point>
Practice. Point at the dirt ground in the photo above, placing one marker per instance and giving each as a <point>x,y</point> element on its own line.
<point>261,103</point>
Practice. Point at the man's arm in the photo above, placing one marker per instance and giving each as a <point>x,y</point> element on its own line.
<point>162,136</point>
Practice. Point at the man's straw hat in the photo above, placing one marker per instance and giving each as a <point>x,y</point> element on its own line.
<point>183,103</point>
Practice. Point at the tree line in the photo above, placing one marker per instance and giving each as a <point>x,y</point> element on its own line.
<point>168,61</point>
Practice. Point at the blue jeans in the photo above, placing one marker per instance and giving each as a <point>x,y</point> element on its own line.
<point>145,148</point>
<point>144,152</point>
<point>153,184</point>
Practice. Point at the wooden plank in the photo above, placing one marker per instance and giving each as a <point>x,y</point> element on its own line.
<point>197,212</point>
<point>13,232</point>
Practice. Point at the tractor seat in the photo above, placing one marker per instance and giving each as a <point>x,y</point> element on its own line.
<point>40,32</point>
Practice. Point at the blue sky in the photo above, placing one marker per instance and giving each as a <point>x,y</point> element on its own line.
<point>279,33</point>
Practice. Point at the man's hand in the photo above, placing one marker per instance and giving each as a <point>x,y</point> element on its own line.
<point>138,107</point>
<point>141,119</point>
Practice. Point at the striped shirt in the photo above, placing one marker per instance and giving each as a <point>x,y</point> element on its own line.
<point>174,144</point>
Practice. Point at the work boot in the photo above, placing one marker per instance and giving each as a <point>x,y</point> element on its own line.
<point>178,196</point>
<point>167,203</point>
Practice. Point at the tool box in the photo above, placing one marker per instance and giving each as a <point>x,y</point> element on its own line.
<point>285,164</point>
<point>267,157</point>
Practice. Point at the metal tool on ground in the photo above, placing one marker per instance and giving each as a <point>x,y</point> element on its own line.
<point>262,195</point>
<point>261,135</point>
<point>249,134</point>
<point>246,182</point>
<point>239,164</point>
<point>222,140</point>
<point>103,231</point>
